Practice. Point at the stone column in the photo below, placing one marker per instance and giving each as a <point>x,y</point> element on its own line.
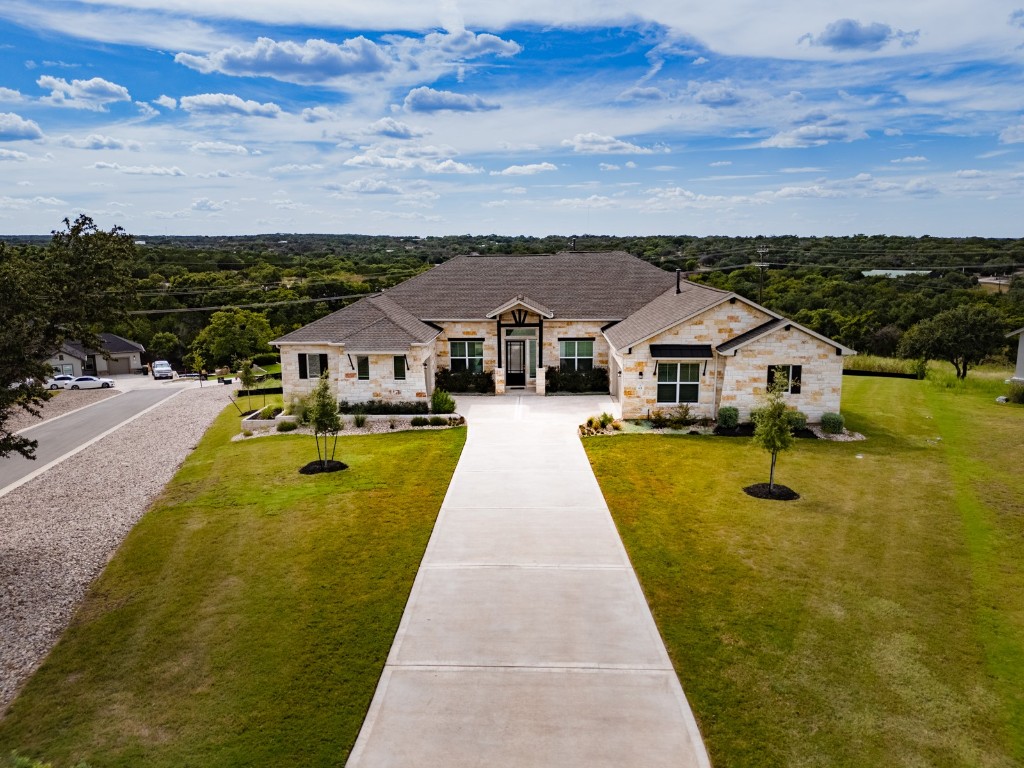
<point>541,380</point>
<point>499,381</point>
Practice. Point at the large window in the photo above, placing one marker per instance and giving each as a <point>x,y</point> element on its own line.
<point>791,377</point>
<point>678,382</point>
<point>467,355</point>
<point>362,367</point>
<point>399,367</point>
<point>576,354</point>
<point>311,366</point>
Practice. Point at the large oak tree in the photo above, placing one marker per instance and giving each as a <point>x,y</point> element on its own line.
<point>71,289</point>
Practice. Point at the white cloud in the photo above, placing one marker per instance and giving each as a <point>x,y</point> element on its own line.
<point>99,141</point>
<point>139,170</point>
<point>910,159</point>
<point>596,144</point>
<point>643,93</point>
<point>394,129</point>
<point>816,130</point>
<point>850,35</point>
<point>424,99</point>
<point>699,61</point>
<point>720,163</point>
<point>296,168</point>
<point>1012,135</point>
<point>94,94</point>
<point>430,159</point>
<point>14,127</point>
<point>314,61</point>
<point>10,95</point>
<point>206,204</point>
<point>10,154</point>
<point>526,170</point>
<point>714,94</point>
<point>608,167</point>
<point>166,102</point>
<point>318,115</point>
<point>227,104</point>
<point>218,148</point>
<point>892,132</point>
<point>371,187</point>
<point>29,202</point>
<point>585,203</point>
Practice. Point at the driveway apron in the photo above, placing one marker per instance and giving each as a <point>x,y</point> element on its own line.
<point>526,640</point>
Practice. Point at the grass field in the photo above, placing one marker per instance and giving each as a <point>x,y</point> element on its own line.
<point>878,620</point>
<point>247,617</point>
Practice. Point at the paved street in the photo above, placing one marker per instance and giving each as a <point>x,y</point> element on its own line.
<point>62,436</point>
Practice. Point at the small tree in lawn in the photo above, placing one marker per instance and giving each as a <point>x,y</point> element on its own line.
<point>248,379</point>
<point>771,422</point>
<point>323,416</point>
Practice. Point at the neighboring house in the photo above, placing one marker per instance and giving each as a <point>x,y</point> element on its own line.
<point>664,340</point>
<point>70,359</point>
<point>117,355</point>
<point>1019,373</point>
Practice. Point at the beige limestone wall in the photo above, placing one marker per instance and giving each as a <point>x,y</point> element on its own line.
<point>345,382</point>
<point>462,330</point>
<point>821,379</point>
<point>639,393</point>
<point>574,329</point>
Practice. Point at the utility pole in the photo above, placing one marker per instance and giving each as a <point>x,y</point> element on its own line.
<point>762,251</point>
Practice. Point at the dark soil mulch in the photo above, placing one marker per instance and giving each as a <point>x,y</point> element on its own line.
<point>779,493</point>
<point>316,467</point>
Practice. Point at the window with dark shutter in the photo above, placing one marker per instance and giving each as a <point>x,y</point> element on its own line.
<point>303,370</point>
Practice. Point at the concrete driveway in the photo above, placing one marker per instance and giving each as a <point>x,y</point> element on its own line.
<point>526,640</point>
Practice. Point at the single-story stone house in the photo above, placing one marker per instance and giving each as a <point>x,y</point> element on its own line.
<point>664,340</point>
<point>117,355</point>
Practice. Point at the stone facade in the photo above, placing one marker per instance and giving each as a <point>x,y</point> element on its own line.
<point>344,378</point>
<point>738,380</point>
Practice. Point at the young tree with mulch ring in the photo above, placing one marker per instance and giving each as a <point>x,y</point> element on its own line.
<point>323,417</point>
<point>772,433</point>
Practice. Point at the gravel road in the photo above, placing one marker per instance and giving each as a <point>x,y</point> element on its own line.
<point>58,531</point>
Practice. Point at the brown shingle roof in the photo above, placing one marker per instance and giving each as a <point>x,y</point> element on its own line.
<point>663,312</point>
<point>753,333</point>
<point>576,285</point>
<point>373,324</point>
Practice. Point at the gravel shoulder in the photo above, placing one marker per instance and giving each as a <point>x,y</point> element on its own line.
<point>58,531</point>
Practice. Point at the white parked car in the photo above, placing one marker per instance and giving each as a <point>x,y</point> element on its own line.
<point>59,381</point>
<point>90,382</point>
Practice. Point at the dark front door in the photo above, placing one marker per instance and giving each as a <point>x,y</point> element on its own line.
<point>515,363</point>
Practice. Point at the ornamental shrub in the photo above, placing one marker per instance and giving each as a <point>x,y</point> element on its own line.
<point>832,423</point>
<point>1015,394</point>
<point>797,420</point>
<point>287,426</point>
<point>658,419</point>
<point>464,381</point>
<point>419,421</point>
<point>359,419</point>
<point>594,380</point>
<point>681,417</point>
<point>266,358</point>
<point>438,421</point>
<point>442,402</point>
<point>728,417</point>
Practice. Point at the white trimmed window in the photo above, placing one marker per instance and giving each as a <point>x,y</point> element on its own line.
<point>791,374</point>
<point>467,355</point>
<point>399,367</point>
<point>678,382</point>
<point>576,354</point>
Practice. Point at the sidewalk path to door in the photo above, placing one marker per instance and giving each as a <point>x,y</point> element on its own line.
<point>526,640</point>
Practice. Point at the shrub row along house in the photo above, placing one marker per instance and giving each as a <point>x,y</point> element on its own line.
<point>606,321</point>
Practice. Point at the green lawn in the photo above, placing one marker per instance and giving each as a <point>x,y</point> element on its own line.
<point>247,617</point>
<point>878,620</point>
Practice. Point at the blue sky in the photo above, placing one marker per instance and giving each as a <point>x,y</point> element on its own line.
<point>674,117</point>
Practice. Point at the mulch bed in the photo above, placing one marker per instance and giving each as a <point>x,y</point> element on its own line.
<point>779,493</point>
<point>747,430</point>
<point>316,467</point>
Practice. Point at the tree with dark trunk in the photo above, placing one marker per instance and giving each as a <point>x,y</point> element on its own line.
<point>324,418</point>
<point>72,289</point>
<point>963,336</point>
<point>771,422</point>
